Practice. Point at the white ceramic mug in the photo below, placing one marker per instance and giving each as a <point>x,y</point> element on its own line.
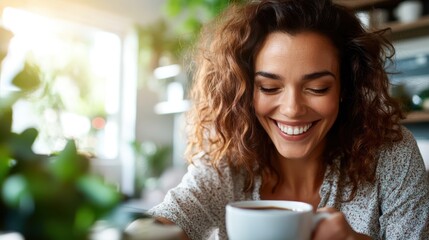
<point>408,11</point>
<point>251,220</point>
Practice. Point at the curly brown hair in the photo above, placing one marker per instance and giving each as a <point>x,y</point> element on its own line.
<point>222,120</point>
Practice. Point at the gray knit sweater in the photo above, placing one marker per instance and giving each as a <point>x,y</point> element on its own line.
<point>396,207</point>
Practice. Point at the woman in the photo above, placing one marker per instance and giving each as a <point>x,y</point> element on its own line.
<point>291,102</point>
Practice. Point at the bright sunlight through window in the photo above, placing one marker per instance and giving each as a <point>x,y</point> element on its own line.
<point>80,72</point>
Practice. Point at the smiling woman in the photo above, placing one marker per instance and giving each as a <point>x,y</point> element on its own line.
<point>297,94</point>
<point>290,102</point>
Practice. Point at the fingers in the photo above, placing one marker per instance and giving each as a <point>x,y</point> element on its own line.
<point>327,210</point>
<point>335,226</point>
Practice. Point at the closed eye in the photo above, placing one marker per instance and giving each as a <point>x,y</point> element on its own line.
<point>269,90</point>
<point>318,91</point>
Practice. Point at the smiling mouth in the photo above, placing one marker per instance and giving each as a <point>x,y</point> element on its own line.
<point>294,130</point>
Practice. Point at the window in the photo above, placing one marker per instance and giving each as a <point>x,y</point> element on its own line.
<point>83,95</point>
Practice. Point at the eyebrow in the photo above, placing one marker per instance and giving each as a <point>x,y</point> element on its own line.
<point>306,77</point>
<point>267,75</point>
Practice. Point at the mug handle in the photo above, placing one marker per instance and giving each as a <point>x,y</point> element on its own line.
<point>319,217</point>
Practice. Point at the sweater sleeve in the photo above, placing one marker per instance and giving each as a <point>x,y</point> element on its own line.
<point>197,203</point>
<point>405,192</point>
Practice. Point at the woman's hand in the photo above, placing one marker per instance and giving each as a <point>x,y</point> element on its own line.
<point>335,227</point>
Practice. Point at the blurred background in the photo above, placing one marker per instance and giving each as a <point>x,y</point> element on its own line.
<point>114,78</point>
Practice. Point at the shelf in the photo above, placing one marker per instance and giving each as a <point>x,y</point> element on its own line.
<point>399,27</point>
<point>361,4</point>
<point>417,28</point>
<point>416,117</point>
<point>400,30</point>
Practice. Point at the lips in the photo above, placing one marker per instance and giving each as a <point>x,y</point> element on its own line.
<point>294,130</point>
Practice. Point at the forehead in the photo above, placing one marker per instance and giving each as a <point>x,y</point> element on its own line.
<point>304,47</point>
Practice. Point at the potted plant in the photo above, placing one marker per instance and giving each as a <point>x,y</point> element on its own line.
<point>46,196</point>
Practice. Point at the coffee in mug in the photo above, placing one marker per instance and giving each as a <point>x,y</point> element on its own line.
<point>269,220</point>
<point>267,208</point>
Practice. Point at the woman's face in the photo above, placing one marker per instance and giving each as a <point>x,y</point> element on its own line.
<point>297,92</point>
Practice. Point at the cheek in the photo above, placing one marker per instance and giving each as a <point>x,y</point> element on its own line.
<point>327,106</point>
<point>333,111</point>
<point>329,109</point>
<point>260,104</point>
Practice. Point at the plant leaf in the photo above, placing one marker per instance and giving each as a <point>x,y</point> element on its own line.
<point>97,192</point>
<point>21,144</point>
<point>5,123</point>
<point>68,165</point>
<point>28,79</point>
<point>173,8</point>
<point>15,193</point>
<point>5,162</point>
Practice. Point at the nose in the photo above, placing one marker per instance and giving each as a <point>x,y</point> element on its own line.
<point>292,104</point>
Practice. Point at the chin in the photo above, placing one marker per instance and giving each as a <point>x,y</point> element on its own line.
<point>296,156</point>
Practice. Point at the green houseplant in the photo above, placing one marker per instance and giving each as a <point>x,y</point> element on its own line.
<point>46,196</point>
<point>153,159</point>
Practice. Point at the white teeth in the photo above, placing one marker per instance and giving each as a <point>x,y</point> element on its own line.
<point>289,130</point>
<point>294,130</point>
